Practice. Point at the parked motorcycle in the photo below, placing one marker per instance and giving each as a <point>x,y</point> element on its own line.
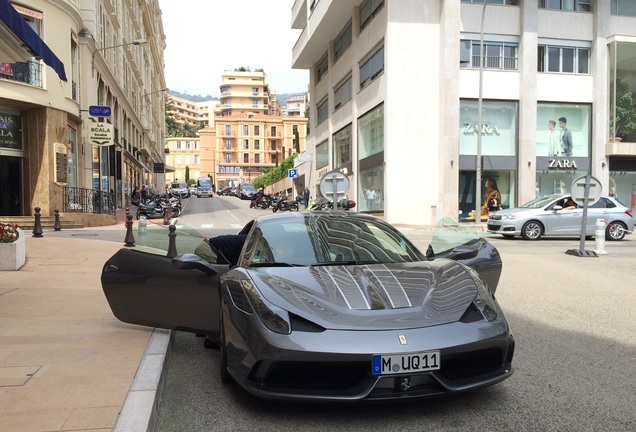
<point>156,208</point>
<point>263,202</point>
<point>285,205</point>
<point>323,203</point>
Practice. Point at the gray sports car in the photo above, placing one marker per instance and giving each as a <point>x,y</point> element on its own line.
<point>328,306</point>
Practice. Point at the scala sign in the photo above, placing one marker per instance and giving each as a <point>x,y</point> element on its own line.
<point>100,133</point>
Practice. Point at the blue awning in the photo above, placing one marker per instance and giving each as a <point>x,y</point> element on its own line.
<point>14,21</point>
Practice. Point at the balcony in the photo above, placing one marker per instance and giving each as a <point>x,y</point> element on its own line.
<point>29,72</point>
<point>225,134</point>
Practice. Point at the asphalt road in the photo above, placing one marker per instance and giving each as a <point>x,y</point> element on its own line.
<point>573,319</point>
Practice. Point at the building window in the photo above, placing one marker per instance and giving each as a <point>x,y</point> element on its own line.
<point>496,2</point>
<point>573,5</point>
<point>254,103</point>
<point>272,145</point>
<point>321,67</point>
<point>228,158</point>
<point>372,67</point>
<point>368,10</point>
<point>623,7</point>
<point>322,154</point>
<point>563,59</point>
<point>257,130</point>
<point>257,158</point>
<point>342,42</point>
<point>228,130</point>
<point>257,144</point>
<point>246,158</point>
<point>371,132</point>
<point>246,130</point>
<point>342,94</point>
<point>254,91</point>
<point>342,147</point>
<point>228,144</point>
<point>498,130</point>
<point>246,144</point>
<point>497,55</point>
<point>323,112</point>
<point>197,160</point>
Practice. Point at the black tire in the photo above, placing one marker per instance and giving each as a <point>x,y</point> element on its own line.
<point>225,376</point>
<point>615,231</point>
<point>294,207</point>
<point>138,214</point>
<point>275,209</point>
<point>176,212</point>
<point>532,230</point>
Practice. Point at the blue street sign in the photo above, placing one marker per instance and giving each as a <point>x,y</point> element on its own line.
<point>292,173</point>
<point>99,111</point>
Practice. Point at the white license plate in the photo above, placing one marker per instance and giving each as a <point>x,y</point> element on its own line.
<point>405,363</point>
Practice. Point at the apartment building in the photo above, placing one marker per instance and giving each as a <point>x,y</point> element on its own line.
<point>183,157</point>
<point>296,105</point>
<point>98,66</point>
<point>242,145</point>
<point>243,92</point>
<point>406,99</point>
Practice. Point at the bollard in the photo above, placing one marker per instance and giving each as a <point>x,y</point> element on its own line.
<point>37,225</point>
<point>172,246</point>
<point>130,239</point>
<point>142,229</point>
<point>166,214</point>
<point>599,237</point>
<point>57,226</point>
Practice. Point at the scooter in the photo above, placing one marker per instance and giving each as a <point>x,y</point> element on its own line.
<point>152,210</point>
<point>285,205</point>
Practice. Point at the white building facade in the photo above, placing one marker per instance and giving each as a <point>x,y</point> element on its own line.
<point>396,85</point>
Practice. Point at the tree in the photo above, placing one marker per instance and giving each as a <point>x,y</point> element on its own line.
<point>625,120</point>
<point>187,173</point>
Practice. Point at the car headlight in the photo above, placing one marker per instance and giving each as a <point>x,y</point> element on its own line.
<point>484,299</point>
<point>274,318</point>
<point>511,216</point>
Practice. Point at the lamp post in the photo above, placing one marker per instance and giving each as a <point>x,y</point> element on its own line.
<point>135,42</point>
<point>479,120</point>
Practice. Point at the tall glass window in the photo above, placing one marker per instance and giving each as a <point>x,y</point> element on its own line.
<point>342,147</point>
<point>322,154</point>
<point>498,129</point>
<point>371,132</point>
<point>563,130</point>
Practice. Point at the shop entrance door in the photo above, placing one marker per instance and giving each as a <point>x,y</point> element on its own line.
<point>11,200</point>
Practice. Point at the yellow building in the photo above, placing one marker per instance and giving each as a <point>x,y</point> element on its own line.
<point>182,157</point>
<point>242,145</point>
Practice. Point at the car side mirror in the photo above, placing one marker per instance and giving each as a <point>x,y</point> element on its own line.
<point>557,207</point>
<point>462,253</point>
<point>190,261</point>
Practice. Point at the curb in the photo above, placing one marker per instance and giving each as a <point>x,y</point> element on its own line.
<point>140,408</point>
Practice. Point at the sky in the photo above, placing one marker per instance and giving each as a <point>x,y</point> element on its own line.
<point>251,33</point>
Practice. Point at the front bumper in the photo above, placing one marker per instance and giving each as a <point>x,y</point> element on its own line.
<point>502,227</point>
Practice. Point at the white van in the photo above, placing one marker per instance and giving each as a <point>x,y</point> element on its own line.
<point>204,187</point>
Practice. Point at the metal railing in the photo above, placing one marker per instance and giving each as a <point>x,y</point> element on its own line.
<point>81,200</point>
<point>29,72</point>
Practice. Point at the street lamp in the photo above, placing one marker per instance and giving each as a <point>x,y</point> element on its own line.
<point>157,91</point>
<point>479,120</point>
<point>135,42</point>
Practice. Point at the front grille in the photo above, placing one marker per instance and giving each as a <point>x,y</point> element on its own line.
<point>239,299</point>
<point>316,375</point>
<point>492,227</point>
<point>465,365</point>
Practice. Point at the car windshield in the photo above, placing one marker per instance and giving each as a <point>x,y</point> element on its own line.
<point>179,186</point>
<point>327,239</point>
<point>539,202</point>
<point>204,182</point>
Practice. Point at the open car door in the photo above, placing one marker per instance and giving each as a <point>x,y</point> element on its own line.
<point>156,291</point>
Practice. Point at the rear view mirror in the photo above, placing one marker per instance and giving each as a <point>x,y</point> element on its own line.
<point>190,261</point>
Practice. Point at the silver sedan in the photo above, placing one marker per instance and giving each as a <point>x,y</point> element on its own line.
<point>558,215</point>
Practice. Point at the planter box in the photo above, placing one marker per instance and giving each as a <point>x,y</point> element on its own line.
<point>13,255</point>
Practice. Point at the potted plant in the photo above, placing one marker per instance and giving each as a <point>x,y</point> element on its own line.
<point>623,124</point>
<point>12,247</point>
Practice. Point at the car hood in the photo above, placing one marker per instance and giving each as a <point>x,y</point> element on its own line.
<point>379,296</point>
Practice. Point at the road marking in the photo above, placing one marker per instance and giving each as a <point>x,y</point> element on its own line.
<point>207,225</point>
<point>236,226</point>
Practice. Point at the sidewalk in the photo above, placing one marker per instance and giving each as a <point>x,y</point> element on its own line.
<point>66,363</point>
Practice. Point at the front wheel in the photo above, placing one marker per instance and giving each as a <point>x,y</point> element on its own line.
<point>275,209</point>
<point>293,207</point>
<point>176,212</point>
<point>615,231</point>
<point>532,230</point>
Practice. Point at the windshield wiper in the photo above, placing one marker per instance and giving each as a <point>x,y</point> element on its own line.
<point>275,264</point>
<point>351,262</point>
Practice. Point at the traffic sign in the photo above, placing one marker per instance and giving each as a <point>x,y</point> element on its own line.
<point>292,173</point>
<point>99,111</point>
<point>334,185</point>
<point>578,190</point>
